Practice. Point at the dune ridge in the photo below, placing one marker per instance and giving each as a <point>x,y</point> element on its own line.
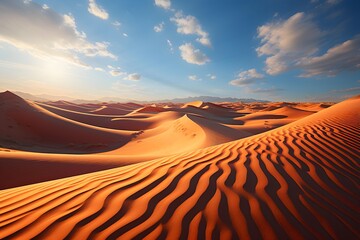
<point>299,181</point>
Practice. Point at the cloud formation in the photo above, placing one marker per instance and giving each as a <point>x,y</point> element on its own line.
<point>159,27</point>
<point>284,42</point>
<point>246,77</point>
<point>345,56</point>
<point>192,55</point>
<point>166,4</point>
<point>189,25</point>
<point>212,76</point>
<point>133,77</point>
<point>115,71</point>
<point>295,43</point>
<point>193,78</point>
<point>170,45</point>
<point>117,24</point>
<point>97,10</point>
<point>45,33</point>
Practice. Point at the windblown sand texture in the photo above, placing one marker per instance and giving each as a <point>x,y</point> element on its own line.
<point>251,171</point>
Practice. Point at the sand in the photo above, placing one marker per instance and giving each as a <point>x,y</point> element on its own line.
<point>297,179</point>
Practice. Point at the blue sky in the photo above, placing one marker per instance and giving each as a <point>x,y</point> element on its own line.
<point>156,49</point>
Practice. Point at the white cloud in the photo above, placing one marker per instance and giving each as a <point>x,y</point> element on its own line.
<point>294,43</point>
<point>166,4</point>
<point>133,77</point>
<point>190,25</point>
<point>97,10</point>
<point>212,76</point>
<point>45,7</point>
<point>115,71</point>
<point>246,77</point>
<point>159,27</point>
<point>99,69</point>
<point>284,41</point>
<point>117,24</point>
<point>192,55</point>
<point>345,56</point>
<point>45,33</point>
<point>170,45</point>
<point>193,78</point>
<point>125,35</point>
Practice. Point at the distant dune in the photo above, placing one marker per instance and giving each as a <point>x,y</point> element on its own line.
<point>298,179</point>
<point>26,126</point>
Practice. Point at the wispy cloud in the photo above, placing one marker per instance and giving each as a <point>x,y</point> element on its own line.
<point>170,45</point>
<point>159,27</point>
<point>117,24</point>
<point>115,71</point>
<point>189,25</point>
<point>194,78</point>
<point>192,55</point>
<point>345,56</point>
<point>166,4</point>
<point>246,77</point>
<point>45,33</point>
<point>99,69</point>
<point>211,76</point>
<point>133,77</point>
<point>97,10</point>
<point>294,44</point>
<point>286,41</point>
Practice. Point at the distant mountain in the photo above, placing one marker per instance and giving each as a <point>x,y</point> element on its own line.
<point>45,97</point>
<point>211,99</point>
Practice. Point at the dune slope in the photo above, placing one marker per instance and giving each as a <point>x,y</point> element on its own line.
<point>300,181</point>
<point>26,126</point>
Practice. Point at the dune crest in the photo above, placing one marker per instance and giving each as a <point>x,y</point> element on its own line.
<point>299,181</point>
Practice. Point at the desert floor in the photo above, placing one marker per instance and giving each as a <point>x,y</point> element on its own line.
<point>179,171</point>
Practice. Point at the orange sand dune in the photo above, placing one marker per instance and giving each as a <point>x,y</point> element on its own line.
<point>24,125</point>
<point>299,181</point>
<point>104,121</point>
<point>72,106</point>
<point>106,110</point>
<point>68,131</point>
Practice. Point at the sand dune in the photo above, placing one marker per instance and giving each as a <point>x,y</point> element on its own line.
<point>299,181</point>
<point>118,140</point>
<point>26,126</point>
<point>72,106</point>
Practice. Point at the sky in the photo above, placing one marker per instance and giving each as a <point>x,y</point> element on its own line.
<point>277,50</point>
